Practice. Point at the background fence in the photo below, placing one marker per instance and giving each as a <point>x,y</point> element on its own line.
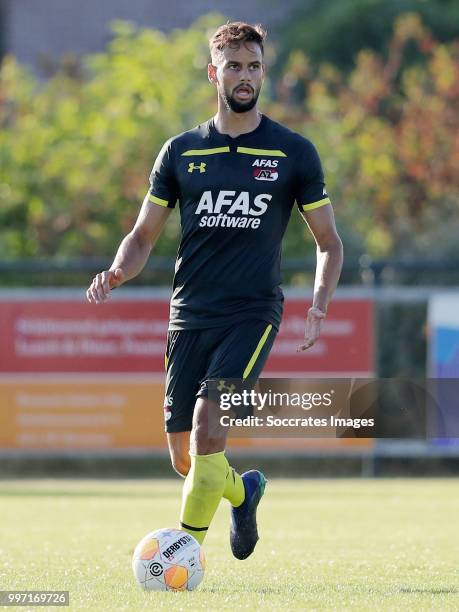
<point>79,402</point>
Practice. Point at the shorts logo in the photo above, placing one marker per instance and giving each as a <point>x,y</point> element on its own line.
<point>263,174</point>
<point>222,386</point>
<point>201,167</point>
<point>168,401</point>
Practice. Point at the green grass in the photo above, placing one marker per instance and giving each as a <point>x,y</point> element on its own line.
<point>342,545</point>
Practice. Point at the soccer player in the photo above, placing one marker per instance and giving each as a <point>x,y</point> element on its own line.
<point>235,179</point>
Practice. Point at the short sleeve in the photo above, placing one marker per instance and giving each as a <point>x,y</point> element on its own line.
<point>310,191</point>
<point>163,183</point>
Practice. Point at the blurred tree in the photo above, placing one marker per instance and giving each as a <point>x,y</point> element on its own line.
<point>76,151</point>
<point>388,135</point>
<point>335,31</point>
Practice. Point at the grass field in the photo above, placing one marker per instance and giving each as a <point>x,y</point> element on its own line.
<point>326,544</point>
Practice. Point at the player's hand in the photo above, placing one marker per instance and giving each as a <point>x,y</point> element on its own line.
<point>102,284</point>
<point>314,323</point>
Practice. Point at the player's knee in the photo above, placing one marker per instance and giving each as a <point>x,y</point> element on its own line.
<point>207,437</point>
<point>199,439</point>
<point>181,465</point>
<point>202,444</point>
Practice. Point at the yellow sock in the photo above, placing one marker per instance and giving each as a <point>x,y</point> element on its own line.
<point>234,490</point>
<point>202,491</point>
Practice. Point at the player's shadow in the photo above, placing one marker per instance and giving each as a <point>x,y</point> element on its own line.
<point>265,590</point>
<point>433,591</point>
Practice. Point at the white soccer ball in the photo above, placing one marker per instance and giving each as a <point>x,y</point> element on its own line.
<point>168,560</point>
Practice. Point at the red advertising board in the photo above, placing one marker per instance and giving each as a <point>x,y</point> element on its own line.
<point>345,346</point>
<point>78,377</point>
<point>128,335</point>
<point>74,336</point>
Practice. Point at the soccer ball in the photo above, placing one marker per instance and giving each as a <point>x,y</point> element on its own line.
<point>168,560</point>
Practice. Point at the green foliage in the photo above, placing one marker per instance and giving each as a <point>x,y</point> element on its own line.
<point>336,544</point>
<point>75,153</point>
<point>335,31</point>
<point>387,133</point>
<point>76,150</point>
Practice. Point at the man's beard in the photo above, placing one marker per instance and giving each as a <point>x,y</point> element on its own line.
<point>240,107</point>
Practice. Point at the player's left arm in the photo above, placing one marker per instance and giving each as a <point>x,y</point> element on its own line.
<point>321,223</point>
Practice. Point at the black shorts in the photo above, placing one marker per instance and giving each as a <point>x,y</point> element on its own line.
<point>195,356</point>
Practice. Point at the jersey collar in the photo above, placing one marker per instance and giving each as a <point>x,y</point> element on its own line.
<point>214,132</point>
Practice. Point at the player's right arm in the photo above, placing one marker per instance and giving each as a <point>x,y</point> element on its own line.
<point>135,248</point>
<point>132,253</point>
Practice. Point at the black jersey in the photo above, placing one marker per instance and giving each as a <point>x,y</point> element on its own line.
<point>235,197</point>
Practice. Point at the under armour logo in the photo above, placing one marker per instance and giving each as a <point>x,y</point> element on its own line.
<point>222,386</point>
<point>201,167</point>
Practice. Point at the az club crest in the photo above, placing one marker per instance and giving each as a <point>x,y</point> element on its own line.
<point>265,174</point>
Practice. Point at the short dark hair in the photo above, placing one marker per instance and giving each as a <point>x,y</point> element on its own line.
<point>235,33</point>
